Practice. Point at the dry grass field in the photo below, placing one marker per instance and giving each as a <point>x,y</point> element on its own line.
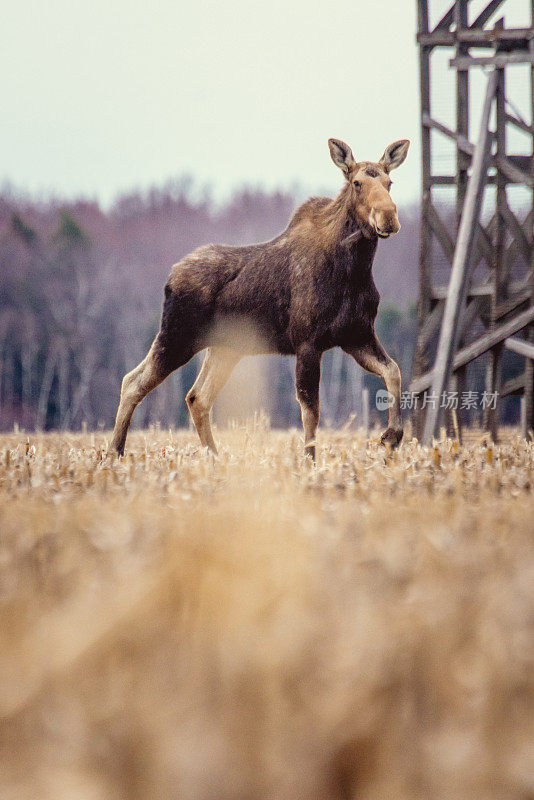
<point>175,627</point>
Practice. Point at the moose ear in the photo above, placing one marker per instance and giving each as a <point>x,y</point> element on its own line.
<point>394,154</point>
<point>341,155</point>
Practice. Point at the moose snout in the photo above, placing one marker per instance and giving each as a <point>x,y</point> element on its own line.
<point>383,217</point>
<point>386,223</point>
<point>388,229</point>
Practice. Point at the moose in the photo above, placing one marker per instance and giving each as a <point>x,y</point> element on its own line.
<point>308,290</point>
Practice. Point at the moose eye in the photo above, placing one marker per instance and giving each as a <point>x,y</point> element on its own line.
<point>357,184</point>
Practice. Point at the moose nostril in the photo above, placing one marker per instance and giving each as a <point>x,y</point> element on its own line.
<point>387,229</point>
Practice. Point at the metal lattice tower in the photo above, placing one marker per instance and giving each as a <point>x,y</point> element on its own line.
<point>486,303</point>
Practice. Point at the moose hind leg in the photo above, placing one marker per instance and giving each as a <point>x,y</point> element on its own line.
<point>152,370</point>
<point>215,371</point>
<point>308,375</point>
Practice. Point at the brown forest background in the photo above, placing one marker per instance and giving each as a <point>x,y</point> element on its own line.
<point>81,290</point>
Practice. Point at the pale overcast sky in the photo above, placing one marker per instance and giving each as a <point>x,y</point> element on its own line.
<point>101,97</point>
<point>104,96</point>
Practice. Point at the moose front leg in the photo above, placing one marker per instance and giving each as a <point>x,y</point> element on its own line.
<point>308,374</point>
<point>374,358</point>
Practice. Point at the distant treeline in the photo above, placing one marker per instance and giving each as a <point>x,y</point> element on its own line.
<point>81,291</point>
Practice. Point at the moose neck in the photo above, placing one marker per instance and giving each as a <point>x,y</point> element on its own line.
<point>360,255</point>
<point>343,224</point>
<point>348,236</point>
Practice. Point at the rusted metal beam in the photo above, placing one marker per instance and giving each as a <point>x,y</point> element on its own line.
<point>513,249</point>
<point>431,324</point>
<point>440,230</point>
<point>504,306</point>
<point>499,60</point>
<point>502,163</point>
<point>514,385</point>
<point>516,300</point>
<point>499,278</point>
<point>512,172</point>
<point>441,292</point>
<point>522,238</point>
<point>520,124</point>
<point>462,141</point>
<point>484,15</point>
<point>519,346</point>
<point>508,37</point>
<point>527,417</point>
<point>446,20</point>
<point>477,348</point>
<point>421,362</point>
<point>463,257</point>
<point>484,245</point>
<point>442,180</point>
<point>462,111</point>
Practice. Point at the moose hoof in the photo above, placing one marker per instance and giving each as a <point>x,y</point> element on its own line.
<point>392,437</point>
<point>118,448</point>
<point>309,451</point>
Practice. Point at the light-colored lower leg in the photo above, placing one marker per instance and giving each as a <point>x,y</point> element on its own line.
<point>392,379</point>
<point>310,421</point>
<point>379,363</point>
<point>135,386</point>
<point>215,371</point>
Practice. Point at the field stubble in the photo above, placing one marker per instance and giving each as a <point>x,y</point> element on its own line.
<point>175,626</point>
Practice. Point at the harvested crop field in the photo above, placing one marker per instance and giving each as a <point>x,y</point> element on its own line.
<point>257,627</point>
